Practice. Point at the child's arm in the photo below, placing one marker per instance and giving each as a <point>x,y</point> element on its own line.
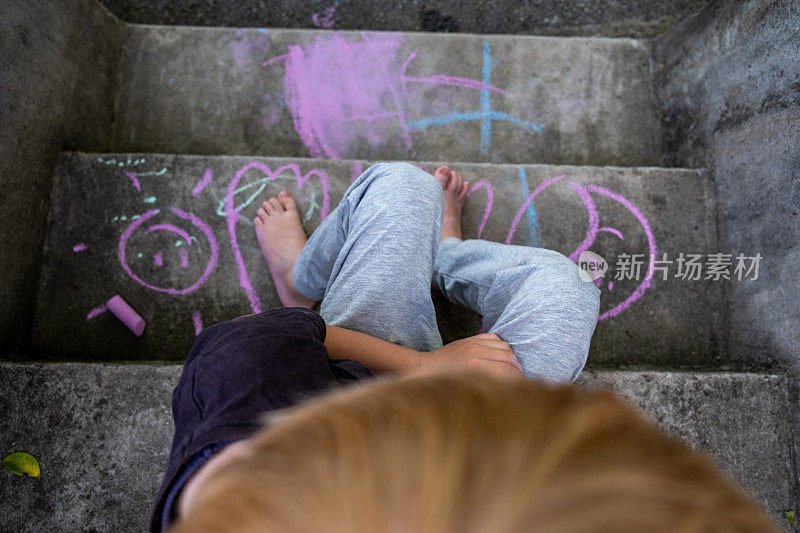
<point>484,352</point>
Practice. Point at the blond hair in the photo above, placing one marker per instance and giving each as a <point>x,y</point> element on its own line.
<point>470,453</point>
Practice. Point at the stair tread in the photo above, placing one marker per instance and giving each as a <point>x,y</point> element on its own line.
<point>382,95</point>
<point>119,417</point>
<point>673,322</point>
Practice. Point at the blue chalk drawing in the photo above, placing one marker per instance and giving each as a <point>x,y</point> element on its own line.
<point>150,200</point>
<point>171,81</point>
<point>533,219</point>
<point>486,114</point>
<point>486,105</point>
<point>151,173</point>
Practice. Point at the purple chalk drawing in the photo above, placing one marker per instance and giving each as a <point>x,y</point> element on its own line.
<point>441,79</point>
<point>99,310</point>
<point>80,247</point>
<point>611,285</point>
<point>542,186</point>
<point>135,180</point>
<point>335,80</point>
<point>651,244</point>
<point>204,228</point>
<point>614,231</point>
<point>173,229</point>
<point>357,171</point>
<point>594,222</point>
<point>203,182</point>
<point>326,19</point>
<point>197,320</point>
<point>184,255</point>
<point>158,259</point>
<point>232,214</point>
<point>593,229</point>
<point>489,201</point>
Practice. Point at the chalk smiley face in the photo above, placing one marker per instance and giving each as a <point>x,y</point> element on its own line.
<point>175,229</point>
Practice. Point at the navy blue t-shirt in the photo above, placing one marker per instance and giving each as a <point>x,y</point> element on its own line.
<point>235,372</point>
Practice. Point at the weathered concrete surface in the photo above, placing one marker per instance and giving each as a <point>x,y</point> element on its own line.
<point>102,436</point>
<point>731,94</point>
<point>609,18</point>
<point>742,420</point>
<point>58,67</point>
<point>674,322</point>
<point>387,96</point>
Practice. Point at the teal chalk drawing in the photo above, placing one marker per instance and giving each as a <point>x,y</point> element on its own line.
<point>150,200</point>
<point>151,173</point>
<point>533,219</point>
<point>312,206</point>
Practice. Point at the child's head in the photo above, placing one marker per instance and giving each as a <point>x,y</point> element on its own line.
<point>471,453</point>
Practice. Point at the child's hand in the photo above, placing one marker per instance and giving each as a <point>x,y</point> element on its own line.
<point>485,352</point>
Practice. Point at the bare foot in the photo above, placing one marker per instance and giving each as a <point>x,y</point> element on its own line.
<point>281,237</point>
<point>455,194</point>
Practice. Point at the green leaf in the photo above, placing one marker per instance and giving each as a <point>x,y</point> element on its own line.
<point>790,517</point>
<point>21,464</point>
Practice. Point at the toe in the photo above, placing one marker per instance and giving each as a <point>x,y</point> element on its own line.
<point>276,205</point>
<point>442,174</point>
<point>258,222</point>
<point>262,213</point>
<point>268,207</point>
<point>464,190</point>
<point>286,200</point>
<point>454,187</point>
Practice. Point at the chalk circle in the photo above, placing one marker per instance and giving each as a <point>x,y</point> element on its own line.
<point>204,228</point>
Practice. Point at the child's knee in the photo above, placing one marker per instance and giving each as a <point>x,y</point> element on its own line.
<point>404,182</point>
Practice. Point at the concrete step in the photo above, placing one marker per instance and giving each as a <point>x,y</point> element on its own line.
<point>610,18</point>
<point>102,435</point>
<point>105,204</point>
<point>339,95</point>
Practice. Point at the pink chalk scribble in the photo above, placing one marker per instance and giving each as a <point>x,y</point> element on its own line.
<point>173,229</point>
<point>183,253</point>
<point>232,214</point>
<point>135,180</point>
<point>209,174</point>
<point>651,244</point>
<point>593,229</point>
<point>326,19</point>
<point>613,231</point>
<point>80,247</point>
<point>204,228</point>
<point>158,259</point>
<point>594,221</point>
<point>197,320</point>
<point>326,85</point>
<point>99,310</point>
<point>440,79</point>
<point>611,285</point>
<point>489,201</point>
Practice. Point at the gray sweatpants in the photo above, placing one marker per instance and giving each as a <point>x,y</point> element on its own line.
<point>373,259</point>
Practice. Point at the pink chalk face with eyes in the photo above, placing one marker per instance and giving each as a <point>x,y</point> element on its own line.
<point>168,251</point>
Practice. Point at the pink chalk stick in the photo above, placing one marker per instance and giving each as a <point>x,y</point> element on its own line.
<point>126,314</point>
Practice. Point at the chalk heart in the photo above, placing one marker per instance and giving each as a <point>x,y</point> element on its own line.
<point>585,192</point>
<point>232,213</point>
